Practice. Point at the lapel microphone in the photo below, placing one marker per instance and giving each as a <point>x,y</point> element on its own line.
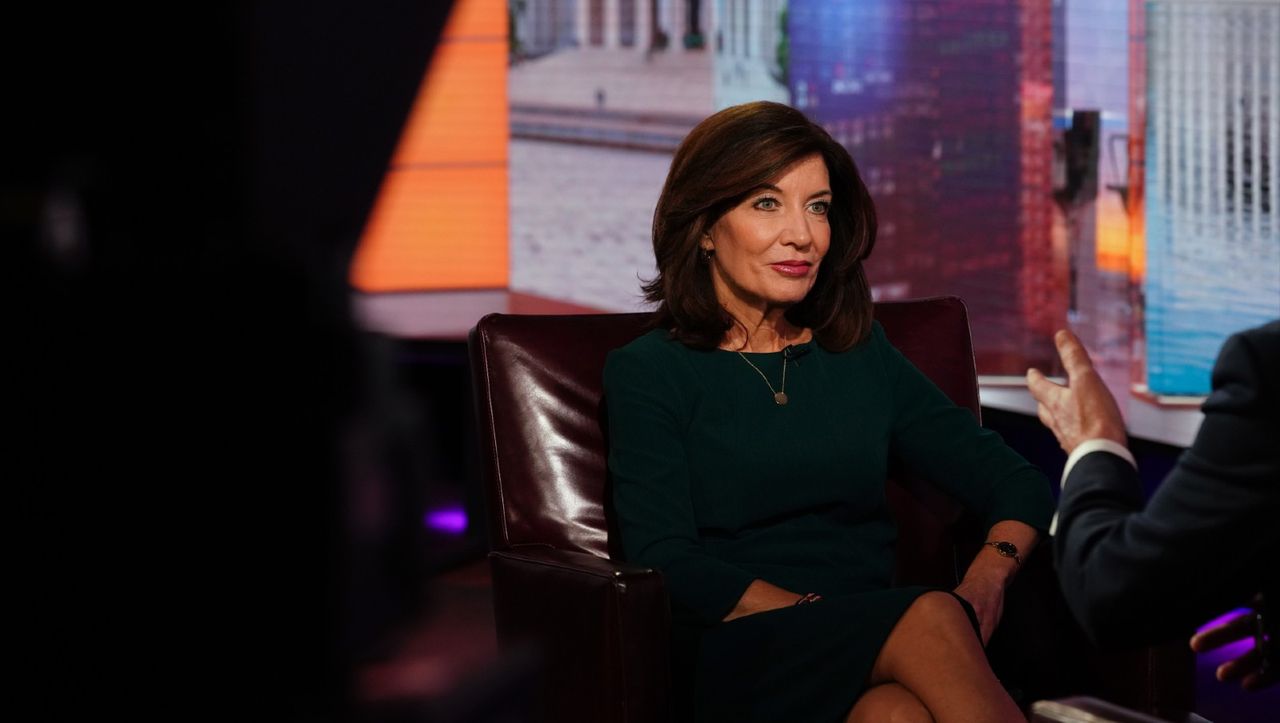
<point>794,352</point>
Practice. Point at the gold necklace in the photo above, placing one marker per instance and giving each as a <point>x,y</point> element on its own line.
<point>779,395</point>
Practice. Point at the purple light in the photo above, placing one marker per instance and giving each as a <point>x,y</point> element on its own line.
<point>1230,651</point>
<point>1223,618</point>
<point>450,520</point>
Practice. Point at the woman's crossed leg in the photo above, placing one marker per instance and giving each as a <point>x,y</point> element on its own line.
<point>932,668</point>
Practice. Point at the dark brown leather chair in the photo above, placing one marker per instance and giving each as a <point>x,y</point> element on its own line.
<point>603,624</point>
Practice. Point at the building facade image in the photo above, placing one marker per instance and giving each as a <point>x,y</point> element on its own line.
<point>946,108</point>
<point>751,51</point>
<point>543,26</point>
<point>1213,126</point>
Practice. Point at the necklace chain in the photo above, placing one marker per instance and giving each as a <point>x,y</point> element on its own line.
<point>780,394</point>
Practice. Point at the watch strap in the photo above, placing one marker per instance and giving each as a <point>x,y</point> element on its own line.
<point>1006,549</point>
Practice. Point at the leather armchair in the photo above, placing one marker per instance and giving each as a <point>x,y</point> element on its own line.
<point>602,625</point>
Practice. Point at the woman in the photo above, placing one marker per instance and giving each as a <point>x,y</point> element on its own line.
<point>749,438</point>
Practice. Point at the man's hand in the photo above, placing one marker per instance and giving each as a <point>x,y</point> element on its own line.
<point>1248,668</point>
<point>1083,409</point>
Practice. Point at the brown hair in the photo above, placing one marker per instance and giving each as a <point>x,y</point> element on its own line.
<point>724,159</point>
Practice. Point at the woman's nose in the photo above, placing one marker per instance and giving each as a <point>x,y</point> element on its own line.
<point>797,232</point>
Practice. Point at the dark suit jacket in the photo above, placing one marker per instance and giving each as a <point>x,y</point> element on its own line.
<point>1210,537</point>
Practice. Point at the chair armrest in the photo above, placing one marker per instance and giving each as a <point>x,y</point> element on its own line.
<point>1084,709</point>
<point>602,629</point>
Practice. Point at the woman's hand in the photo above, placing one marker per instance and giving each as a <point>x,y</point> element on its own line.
<point>761,596</point>
<point>991,572</point>
<point>986,594</point>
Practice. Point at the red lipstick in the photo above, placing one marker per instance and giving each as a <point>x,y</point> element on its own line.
<point>792,267</point>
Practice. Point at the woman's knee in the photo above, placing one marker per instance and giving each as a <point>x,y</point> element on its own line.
<point>938,613</point>
<point>889,703</point>
<point>934,630</point>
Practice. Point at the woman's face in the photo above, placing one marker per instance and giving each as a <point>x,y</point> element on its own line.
<point>767,248</point>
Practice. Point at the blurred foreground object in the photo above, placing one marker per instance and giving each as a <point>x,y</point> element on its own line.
<point>1083,709</point>
<point>187,193</point>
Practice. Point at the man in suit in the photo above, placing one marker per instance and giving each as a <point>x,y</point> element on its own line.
<point>1208,540</point>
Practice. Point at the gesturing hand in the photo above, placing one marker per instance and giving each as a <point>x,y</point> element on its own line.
<point>1249,667</point>
<point>1083,409</point>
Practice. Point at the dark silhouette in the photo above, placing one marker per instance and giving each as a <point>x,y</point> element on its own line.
<point>187,193</point>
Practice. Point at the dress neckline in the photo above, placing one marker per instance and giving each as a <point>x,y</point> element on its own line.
<point>804,345</point>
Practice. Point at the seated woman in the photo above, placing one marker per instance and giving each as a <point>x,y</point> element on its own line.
<point>750,433</point>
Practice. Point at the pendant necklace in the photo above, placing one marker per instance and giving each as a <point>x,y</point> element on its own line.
<point>779,395</point>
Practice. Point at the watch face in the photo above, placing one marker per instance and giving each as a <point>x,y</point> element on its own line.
<point>1008,549</point>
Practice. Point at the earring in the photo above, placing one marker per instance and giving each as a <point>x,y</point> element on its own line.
<point>707,254</point>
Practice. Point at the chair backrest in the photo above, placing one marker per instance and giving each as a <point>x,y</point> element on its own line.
<point>540,410</point>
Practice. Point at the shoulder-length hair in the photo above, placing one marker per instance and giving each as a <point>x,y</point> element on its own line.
<point>723,160</point>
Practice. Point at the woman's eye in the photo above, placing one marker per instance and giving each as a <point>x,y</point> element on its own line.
<point>820,207</point>
<point>767,204</point>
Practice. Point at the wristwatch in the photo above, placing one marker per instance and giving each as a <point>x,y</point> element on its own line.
<point>1006,549</point>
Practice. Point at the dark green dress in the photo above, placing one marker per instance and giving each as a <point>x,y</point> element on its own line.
<point>716,485</point>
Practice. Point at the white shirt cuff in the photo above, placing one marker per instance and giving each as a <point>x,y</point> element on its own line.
<point>1087,447</point>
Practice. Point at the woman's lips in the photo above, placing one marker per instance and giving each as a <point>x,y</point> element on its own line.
<point>792,268</point>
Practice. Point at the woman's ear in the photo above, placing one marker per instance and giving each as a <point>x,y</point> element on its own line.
<point>707,247</point>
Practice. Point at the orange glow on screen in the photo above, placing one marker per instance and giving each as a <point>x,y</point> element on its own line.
<point>1137,248</point>
<point>440,221</point>
<point>1113,234</point>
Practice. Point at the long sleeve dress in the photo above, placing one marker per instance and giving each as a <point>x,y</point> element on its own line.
<point>716,485</point>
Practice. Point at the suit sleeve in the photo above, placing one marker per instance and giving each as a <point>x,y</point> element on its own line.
<point>1134,575</point>
<point>945,444</point>
<point>649,472</point>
